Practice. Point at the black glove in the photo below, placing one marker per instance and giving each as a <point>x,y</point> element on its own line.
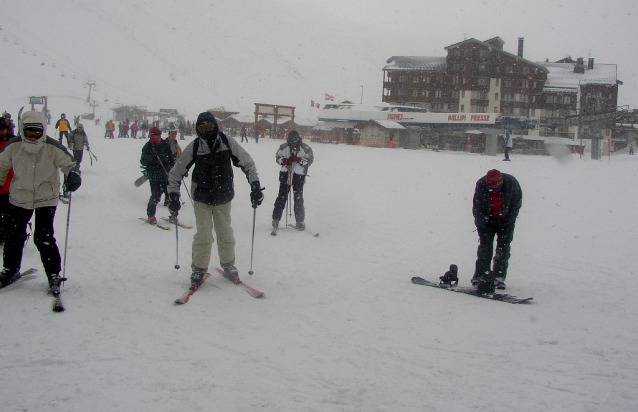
<point>256,194</point>
<point>174,204</point>
<point>72,181</point>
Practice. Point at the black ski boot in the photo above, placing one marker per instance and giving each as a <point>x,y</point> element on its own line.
<point>485,283</point>
<point>54,284</point>
<point>451,277</point>
<point>8,276</point>
<point>231,273</point>
<point>197,278</point>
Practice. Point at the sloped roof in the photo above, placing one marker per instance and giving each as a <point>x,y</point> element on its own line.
<point>435,64</point>
<point>562,76</point>
<point>499,50</point>
<point>386,124</point>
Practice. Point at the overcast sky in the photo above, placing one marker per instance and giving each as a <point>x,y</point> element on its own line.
<point>238,52</point>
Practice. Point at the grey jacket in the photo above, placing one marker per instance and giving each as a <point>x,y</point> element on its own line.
<point>36,166</point>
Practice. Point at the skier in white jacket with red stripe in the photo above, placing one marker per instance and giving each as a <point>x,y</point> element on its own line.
<point>295,157</point>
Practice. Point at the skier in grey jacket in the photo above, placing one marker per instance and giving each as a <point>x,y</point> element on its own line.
<point>36,160</point>
<point>212,188</point>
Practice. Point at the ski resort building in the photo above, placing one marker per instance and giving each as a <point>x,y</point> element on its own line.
<point>529,98</point>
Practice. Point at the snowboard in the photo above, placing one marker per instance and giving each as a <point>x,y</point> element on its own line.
<point>140,181</point>
<point>501,297</point>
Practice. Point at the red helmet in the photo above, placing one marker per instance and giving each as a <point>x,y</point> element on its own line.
<point>155,134</point>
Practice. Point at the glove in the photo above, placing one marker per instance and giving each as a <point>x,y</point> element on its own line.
<point>174,204</point>
<point>72,181</point>
<point>296,159</point>
<point>256,194</point>
<point>287,161</point>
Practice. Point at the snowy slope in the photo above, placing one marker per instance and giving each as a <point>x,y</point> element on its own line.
<point>341,327</point>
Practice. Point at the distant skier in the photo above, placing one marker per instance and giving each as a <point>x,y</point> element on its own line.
<point>78,140</point>
<point>295,157</point>
<point>507,146</point>
<point>213,189</point>
<point>497,201</point>
<point>63,126</point>
<point>157,160</point>
<point>36,160</point>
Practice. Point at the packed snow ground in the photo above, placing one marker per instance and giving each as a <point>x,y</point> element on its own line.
<point>341,327</point>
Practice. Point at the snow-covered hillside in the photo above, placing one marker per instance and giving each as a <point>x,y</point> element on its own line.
<point>341,327</point>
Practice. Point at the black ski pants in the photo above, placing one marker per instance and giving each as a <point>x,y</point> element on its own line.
<point>4,207</point>
<point>503,230</point>
<point>158,187</point>
<point>43,237</point>
<point>297,189</point>
<point>78,154</point>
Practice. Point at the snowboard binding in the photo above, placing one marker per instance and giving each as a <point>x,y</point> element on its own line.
<point>451,277</point>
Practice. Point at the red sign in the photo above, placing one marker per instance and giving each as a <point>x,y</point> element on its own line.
<point>456,118</point>
<point>395,116</point>
<point>480,118</point>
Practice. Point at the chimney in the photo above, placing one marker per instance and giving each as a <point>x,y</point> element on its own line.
<point>520,46</point>
<point>590,63</point>
<point>580,66</point>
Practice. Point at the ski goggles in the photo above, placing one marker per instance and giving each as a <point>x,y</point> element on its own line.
<point>206,127</point>
<point>33,131</point>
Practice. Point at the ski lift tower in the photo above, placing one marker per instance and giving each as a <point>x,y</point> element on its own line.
<point>91,84</point>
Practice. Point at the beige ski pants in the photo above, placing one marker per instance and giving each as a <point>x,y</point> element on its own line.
<point>207,218</point>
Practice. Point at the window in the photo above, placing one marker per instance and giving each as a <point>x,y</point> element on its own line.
<point>463,93</point>
<point>438,93</point>
<point>483,81</point>
<point>497,82</point>
<point>496,109</point>
<point>482,67</point>
<point>496,96</point>
<point>415,92</point>
<point>462,108</point>
<point>403,79</point>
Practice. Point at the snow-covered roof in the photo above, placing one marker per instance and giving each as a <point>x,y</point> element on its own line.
<point>435,64</point>
<point>561,76</point>
<point>386,124</point>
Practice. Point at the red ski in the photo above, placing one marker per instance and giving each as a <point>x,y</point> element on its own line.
<point>186,296</point>
<point>252,291</point>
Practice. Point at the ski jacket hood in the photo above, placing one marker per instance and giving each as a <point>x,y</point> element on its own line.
<point>203,118</point>
<point>30,118</point>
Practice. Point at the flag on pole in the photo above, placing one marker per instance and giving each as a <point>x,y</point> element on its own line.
<point>330,98</point>
<point>312,103</point>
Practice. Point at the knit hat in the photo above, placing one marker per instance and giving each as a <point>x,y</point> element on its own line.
<point>494,178</point>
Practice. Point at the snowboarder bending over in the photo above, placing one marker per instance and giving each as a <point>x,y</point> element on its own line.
<point>295,157</point>
<point>156,160</point>
<point>36,160</point>
<point>497,201</point>
<point>212,188</point>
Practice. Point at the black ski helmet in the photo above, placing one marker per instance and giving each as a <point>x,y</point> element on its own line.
<point>293,138</point>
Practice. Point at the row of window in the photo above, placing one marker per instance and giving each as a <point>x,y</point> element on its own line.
<point>505,97</point>
<point>456,80</point>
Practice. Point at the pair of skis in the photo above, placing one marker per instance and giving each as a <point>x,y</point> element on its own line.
<point>166,220</point>
<point>57,301</point>
<point>274,230</point>
<point>194,288</point>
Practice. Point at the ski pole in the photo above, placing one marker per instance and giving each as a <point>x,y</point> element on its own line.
<point>252,245</point>
<point>66,237</point>
<point>174,215</point>
<point>289,197</point>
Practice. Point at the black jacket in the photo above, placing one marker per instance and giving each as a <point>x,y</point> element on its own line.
<point>156,158</point>
<point>511,197</point>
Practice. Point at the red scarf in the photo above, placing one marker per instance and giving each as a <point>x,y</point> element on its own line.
<point>497,205</point>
